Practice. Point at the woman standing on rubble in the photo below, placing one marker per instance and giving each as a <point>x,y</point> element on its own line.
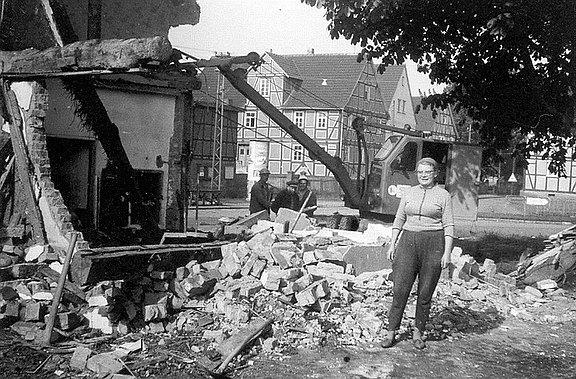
<point>422,236</point>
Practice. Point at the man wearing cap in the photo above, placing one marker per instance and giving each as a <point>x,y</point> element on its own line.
<point>261,194</point>
<point>303,192</point>
<point>287,198</point>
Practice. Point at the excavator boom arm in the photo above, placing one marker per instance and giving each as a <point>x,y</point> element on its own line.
<point>333,164</point>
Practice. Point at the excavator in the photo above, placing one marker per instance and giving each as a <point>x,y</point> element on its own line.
<point>391,171</point>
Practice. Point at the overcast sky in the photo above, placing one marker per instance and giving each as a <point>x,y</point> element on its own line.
<point>283,26</point>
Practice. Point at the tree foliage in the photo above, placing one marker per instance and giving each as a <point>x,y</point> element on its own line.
<point>510,63</point>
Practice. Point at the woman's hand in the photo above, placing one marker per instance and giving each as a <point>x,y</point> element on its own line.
<point>391,251</point>
<point>446,259</point>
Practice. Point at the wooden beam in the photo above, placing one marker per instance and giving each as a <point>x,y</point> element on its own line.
<point>112,54</point>
<point>112,263</point>
<point>23,162</point>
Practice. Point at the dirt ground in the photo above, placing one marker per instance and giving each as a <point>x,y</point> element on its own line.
<point>480,343</point>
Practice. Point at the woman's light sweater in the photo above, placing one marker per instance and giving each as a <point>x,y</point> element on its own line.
<point>425,209</point>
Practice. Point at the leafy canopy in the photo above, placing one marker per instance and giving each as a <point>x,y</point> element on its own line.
<point>509,63</point>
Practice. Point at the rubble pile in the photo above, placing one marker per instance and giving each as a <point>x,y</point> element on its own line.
<point>313,286</point>
<point>28,278</point>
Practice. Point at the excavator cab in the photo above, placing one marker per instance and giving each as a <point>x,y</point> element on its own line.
<point>394,170</point>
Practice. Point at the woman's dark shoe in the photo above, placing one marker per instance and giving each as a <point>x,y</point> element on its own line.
<point>417,340</point>
<point>388,340</point>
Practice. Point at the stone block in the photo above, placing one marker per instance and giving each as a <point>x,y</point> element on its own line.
<point>328,255</point>
<point>331,267</point>
<point>155,312</point>
<point>232,290</point>
<point>33,311</point>
<point>280,259</point>
<point>284,246</point>
<point>99,322</point>
<point>533,291</point>
<point>313,292</point>
<point>231,263</point>
<point>261,244</point>
<point>197,284</point>
<point>97,301</point>
<point>104,364</point>
<point>367,258</point>
<point>546,284</point>
<point>214,335</point>
<point>229,249</point>
<point>250,288</point>
<point>303,282</point>
<point>285,214</point>
<point>309,257</point>
<point>243,250</point>
<point>33,252</point>
<point>11,309</point>
<point>79,358</point>
<point>181,273</point>
<point>190,264</point>
<point>211,265</point>
<point>270,279</point>
<point>258,268</point>
<point>247,267</point>
<point>29,331</point>
<point>489,268</point>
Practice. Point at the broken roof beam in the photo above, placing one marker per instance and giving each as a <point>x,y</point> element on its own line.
<point>113,55</point>
<point>114,263</point>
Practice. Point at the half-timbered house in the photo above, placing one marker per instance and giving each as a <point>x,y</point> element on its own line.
<point>322,95</point>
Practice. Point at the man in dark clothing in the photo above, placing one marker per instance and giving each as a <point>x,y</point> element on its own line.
<point>261,193</point>
<point>287,198</point>
<point>303,192</point>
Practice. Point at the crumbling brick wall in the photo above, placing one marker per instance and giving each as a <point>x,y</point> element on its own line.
<point>36,140</point>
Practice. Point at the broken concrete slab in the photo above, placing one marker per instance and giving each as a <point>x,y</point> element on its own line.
<point>80,357</point>
<point>104,364</point>
<point>367,258</point>
<point>288,215</point>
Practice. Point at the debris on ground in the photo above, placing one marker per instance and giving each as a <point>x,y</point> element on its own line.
<point>314,287</point>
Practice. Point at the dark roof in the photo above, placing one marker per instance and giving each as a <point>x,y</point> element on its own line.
<point>339,72</point>
<point>288,64</point>
<point>208,93</point>
<point>388,81</point>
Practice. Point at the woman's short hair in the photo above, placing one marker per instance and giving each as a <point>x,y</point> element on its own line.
<point>429,162</point>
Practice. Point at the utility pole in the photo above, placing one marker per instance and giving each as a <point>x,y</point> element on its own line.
<point>216,178</point>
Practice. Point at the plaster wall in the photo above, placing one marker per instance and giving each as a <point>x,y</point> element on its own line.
<point>146,125</point>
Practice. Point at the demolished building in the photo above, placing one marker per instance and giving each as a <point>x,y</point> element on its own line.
<point>183,287</point>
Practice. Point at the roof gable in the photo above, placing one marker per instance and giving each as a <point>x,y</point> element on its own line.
<point>388,82</point>
<point>328,80</point>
